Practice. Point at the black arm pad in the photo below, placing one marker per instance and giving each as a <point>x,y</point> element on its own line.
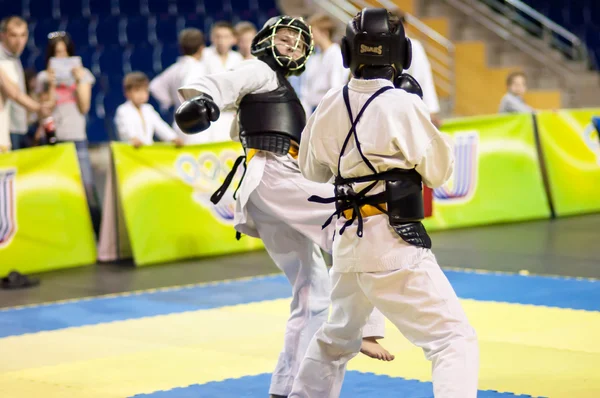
<point>409,84</point>
<point>195,115</point>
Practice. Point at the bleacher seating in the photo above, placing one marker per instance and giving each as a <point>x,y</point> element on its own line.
<point>114,37</point>
<point>581,17</point>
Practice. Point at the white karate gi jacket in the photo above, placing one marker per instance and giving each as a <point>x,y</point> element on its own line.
<point>394,132</point>
<point>130,124</point>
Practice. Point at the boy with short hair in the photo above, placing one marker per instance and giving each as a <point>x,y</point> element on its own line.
<point>245,32</point>
<point>513,101</point>
<point>220,57</point>
<point>136,120</point>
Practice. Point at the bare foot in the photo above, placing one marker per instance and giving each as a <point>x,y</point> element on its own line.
<point>371,348</point>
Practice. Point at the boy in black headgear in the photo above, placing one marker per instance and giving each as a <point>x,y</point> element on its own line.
<point>379,144</point>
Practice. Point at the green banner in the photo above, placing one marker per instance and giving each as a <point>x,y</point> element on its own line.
<point>496,175</point>
<point>165,195</point>
<point>44,218</point>
<point>571,149</point>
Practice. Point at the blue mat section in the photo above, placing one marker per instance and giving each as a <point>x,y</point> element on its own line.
<point>356,385</point>
<point>536,290</point>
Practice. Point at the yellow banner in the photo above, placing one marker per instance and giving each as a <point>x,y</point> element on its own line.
<point>44,218</point>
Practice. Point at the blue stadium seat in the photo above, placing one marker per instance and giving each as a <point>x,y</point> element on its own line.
<point>112,100</point>
<point>96,92</point>
<point>109,30</point>
<point>38,9</point>
<point>593,13</point>
<point>100,7</point>
<point>268,6</point>
<point>576,19</point>
<point>240,5</point>
<point>113,81</point>
<point>263,17</point>
<point>250,16</point>
<point>196,21</point>
<point>167,27</point>
<point>78,29</point>
<point>25,56</point>
<point>141,58</point>
<point>70,8</point>
<point>96,132</point>
<point>217,10</point>
<point>111,60</point>
<point>13,7</point>
<point>39,62</point>
<point>162,7</point>
<point>185,7</point>
<point>130,7</point>
<point>29,56</point>
<point>42,28</point>
<point>87,56</point>
<point>137,30</point>
<point>169,54</point>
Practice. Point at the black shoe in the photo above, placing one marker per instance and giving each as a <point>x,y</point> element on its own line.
<point>16,280</point>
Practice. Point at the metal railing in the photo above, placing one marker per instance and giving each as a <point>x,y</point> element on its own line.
<point>539,25</point>
<point>529,31</point>
<point>440,50</point>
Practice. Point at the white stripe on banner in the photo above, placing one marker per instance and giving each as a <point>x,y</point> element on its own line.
<point>7,206</point>
<point>464,179</point>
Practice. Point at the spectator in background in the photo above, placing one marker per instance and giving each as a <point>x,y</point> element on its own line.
<point>9,90</point>
<point>220,57</point>
<point>13,36</point>
<point>164,86</point>
<point>245,32</point>
<point>324,69</point>
<point>420,69</point>
<point>513,102</point>
<point>30,88</point>
<point>35,131</point>
<point>136,120</point>
<point>71,92</point>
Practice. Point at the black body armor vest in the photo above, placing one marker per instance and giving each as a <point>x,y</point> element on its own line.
<point>270,121</point>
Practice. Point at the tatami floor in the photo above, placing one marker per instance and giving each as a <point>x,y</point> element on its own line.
<point>213,327</point>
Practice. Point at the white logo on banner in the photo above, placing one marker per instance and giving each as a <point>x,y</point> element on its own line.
<point>462,184</point>
<point>206,174</point>
<point>8,206</point>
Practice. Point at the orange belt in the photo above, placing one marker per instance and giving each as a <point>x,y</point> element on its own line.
<point>251,152</point>
<point>365,211</point>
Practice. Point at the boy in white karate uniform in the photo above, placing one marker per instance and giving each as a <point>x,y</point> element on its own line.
<point>379,144</point>
<point>165,86</point>
<point>325,69</point>
<point>272,198</point>
<point>136,120</point>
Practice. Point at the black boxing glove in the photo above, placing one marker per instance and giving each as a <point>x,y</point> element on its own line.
<point>195,115</point>
<point>409,84</point>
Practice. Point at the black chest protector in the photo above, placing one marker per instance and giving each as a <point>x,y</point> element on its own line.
<point>403,197</point>
<point>270,121</point>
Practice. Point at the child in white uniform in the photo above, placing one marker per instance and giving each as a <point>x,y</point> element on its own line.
<point>136,120</point>
<point>379,144</point>
<point>272,198</point>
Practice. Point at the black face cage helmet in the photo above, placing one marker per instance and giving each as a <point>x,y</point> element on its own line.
<point>369,42</point>
<point>263,44</point>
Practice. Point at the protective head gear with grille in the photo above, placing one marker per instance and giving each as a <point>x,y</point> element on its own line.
<point>375,42</point>
<point>284,43</point>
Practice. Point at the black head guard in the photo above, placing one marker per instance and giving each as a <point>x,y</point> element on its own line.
<point>264,46</point>
<point>370,41</point>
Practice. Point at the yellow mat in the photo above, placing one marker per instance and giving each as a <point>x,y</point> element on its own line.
<point>539,351</point>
